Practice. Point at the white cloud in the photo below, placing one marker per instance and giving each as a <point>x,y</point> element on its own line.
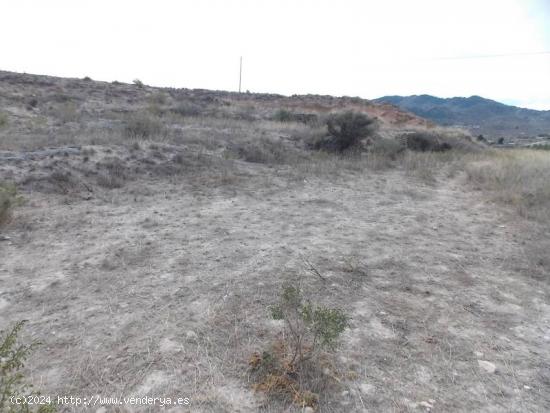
<point>364,48</point>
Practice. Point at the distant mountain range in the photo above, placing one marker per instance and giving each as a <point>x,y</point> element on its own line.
<point>479,115</point>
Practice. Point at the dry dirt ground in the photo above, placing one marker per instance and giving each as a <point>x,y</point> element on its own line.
<point>161,288</point>
<point>146,266</point>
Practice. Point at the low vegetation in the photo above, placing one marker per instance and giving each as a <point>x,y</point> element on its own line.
<point>514,177</point>
<point>3,120</point>
<point>13,386</point>
<point>138,83</point>
<point>8,200</point>
<point>186,109</point>
<point>296,368</point>
<point>345,131</point>
<point>264,151</point>
<point>283,115</point>
<point>142,126</point>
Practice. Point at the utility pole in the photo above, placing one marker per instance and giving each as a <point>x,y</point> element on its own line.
<point>240,73</point>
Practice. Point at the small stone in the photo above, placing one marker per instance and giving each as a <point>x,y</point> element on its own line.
<point>426,405</point>
<point>191,335</point>
<point>478,353</point>
<point>526,387</point>
<point>309,409</point>
<point>487,366</point>
<point>366,388</point>
<point>432,401</point>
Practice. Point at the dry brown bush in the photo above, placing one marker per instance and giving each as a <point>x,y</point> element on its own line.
<point>264,151</point>
<point>113,175</point>
<point>141,126</point>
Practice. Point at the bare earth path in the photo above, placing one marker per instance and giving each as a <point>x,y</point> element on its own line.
<point>159,288</point>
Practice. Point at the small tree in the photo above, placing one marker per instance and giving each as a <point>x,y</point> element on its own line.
<point>309,327</point>
<point>138,83</point>
<point>292,366</point>
<point>348,128</point>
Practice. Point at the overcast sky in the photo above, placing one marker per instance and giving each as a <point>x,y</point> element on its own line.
<point>492,48</point>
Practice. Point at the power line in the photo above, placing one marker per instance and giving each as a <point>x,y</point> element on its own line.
<point>488,56</point>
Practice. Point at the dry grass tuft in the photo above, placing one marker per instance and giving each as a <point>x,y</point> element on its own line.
<point>141,126</point>
<point>518,177</point>
<point>264,151</point>
<point>114,174</point>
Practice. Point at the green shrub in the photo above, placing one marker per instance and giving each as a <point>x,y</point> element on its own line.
<point>307,324</point>
<point>423,141</point>
<point>346,131</point>
<point>12,381</point>
<point>3,120</point>
<point>8,199</point>
<point>291,369</point>
<point>138,83</point>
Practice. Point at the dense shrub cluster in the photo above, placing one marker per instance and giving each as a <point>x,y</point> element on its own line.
<point>345,131</point>
<point>425,142</point>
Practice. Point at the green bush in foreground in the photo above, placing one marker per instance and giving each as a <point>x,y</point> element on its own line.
<point>310,326</point>
<point>295,369</point>
<point>12,381</point>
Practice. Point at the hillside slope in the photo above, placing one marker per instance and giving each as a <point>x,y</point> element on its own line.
<point>54,105</point>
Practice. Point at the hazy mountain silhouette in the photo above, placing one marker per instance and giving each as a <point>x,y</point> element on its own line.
<point>479,115</point>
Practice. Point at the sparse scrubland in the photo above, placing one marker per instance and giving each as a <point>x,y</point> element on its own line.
<point>268,253</point>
